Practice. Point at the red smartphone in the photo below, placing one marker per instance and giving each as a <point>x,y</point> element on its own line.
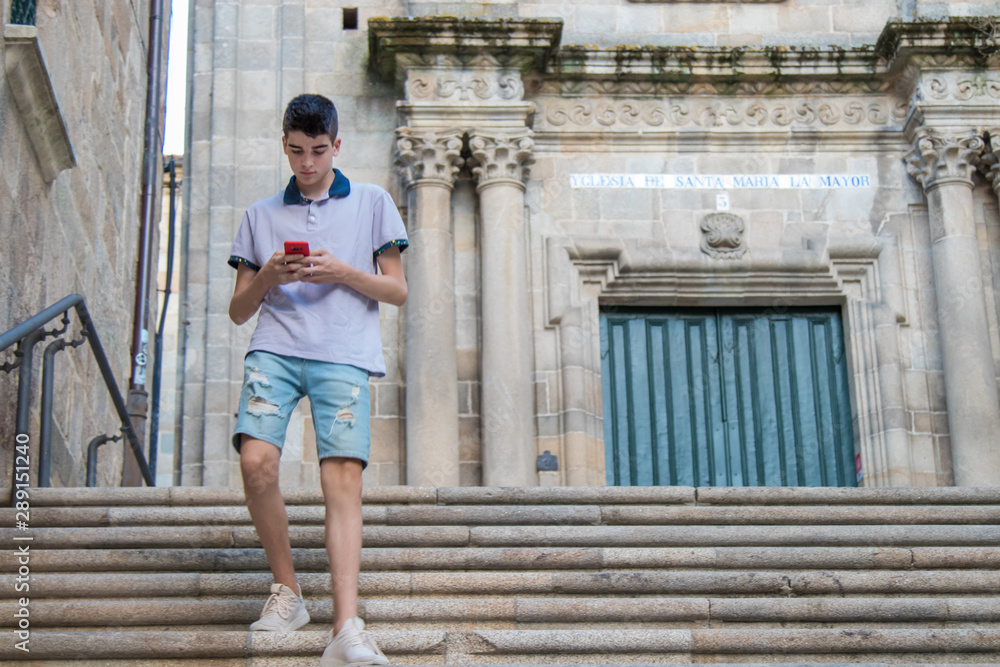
<point>297,248</point>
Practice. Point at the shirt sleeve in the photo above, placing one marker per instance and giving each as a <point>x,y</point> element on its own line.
<point>388,230</point>
<point>243,248</point>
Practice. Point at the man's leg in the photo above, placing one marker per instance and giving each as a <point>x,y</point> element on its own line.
<point>259,462</point>
<point>341,480</point>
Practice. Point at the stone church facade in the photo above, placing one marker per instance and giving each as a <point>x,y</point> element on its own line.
<point>559,164</point>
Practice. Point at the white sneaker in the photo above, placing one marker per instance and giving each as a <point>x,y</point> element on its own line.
<point>352,647</point>
<point>284,611</point>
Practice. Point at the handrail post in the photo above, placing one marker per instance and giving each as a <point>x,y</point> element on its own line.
<point>27,351</point>
<point>45,439</point>
<point>92,456</point>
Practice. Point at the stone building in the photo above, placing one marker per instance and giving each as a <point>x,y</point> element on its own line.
<point>713,243</point>
<point>72,119</point>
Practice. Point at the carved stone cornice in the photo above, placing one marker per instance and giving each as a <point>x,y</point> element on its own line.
<point>478,80</point>
<point>501,157</point>
<point>532,46</point>
<point>763,113</point>
<point>940,157</point>
<point>949,97</point>
<point>961,39</point>
<point>524,43</point>
<point>961,86</point>
<point>737,88</point>
<point>423,157</point>
<point>732,65</point>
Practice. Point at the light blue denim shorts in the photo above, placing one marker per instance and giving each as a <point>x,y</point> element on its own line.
<point>338,394</point>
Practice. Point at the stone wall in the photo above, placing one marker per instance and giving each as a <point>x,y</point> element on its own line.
<point>599,88</point>
<point>75,230</point>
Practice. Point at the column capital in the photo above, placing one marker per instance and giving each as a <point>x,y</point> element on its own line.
<point>942,156</point>
<point>501,157</point>
<point>425,156</point>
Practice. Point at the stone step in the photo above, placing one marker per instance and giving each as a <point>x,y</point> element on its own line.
<point>172,576</point>
<point>277,661</point>
<point>513,612</point>
<point>566,583</point>
<point>124,537</point>
<point>513,558</point>
<point>905,646</point>
<point>515,515</point>
<point>408,495</point>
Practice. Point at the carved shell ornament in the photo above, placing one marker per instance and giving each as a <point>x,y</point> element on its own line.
<point>722,236</point>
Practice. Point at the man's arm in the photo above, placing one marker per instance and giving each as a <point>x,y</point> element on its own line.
<point>252,286</point>
<point>388,285</point>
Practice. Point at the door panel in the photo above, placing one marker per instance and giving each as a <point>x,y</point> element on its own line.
<point>726,398</point>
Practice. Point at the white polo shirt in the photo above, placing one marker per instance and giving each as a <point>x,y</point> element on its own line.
<point>334,323</point>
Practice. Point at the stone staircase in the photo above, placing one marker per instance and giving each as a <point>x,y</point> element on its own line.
<point>173,576</point>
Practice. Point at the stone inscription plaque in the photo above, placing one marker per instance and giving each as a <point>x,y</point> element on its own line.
<point>724,181</point>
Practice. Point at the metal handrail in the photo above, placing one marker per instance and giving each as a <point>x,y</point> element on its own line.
<point>30,332</point>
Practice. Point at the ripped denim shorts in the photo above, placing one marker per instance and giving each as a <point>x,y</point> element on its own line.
<point>338,395</point>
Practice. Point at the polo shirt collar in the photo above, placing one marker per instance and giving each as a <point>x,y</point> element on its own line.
<point>341,187</point>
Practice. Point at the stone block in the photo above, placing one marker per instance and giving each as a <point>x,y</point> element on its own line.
<point>470,473</point>
<point>386,440</point>
<point>921,422</point>
<point>256,90</point>
<point>807,19</point>
<point>697,536</point>
<point>845,496</point>
<point>936,392</point>
<point>440,610</point>
<point>470,438</point>
<point>494,515</point>
<point>370,476</point>
<point>466,331</point>
<point>464,399</point>
<point>915,387</point>
<point>604,610</point>
<point>567,495</point>
<point>468,364</point>
<point>387,403</point>
<point>257,56</point>
<point>950,558</point>
<point>258,22</point>
<point>549,425</point>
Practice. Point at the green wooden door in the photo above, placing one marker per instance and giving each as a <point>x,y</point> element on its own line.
<point>726,398</point>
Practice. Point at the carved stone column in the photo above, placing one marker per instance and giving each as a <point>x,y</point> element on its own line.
<point>507,390</point>
<point>942,162</point>
<point>429,162</point>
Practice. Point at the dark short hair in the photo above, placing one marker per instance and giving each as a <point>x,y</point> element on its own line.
<point>312,115</point>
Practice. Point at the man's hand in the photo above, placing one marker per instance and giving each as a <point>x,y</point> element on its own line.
<point>281,269</point>
<point>389,285</point>
<point>321,266</point>
<point>252,286</point>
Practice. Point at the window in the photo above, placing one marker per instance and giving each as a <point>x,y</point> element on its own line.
<point>350,18</point>
<point>22,12</point>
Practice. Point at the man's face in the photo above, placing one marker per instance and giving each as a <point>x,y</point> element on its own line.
<point>311,158</point>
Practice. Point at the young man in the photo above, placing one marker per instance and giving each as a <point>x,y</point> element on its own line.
<point>318,336</point>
